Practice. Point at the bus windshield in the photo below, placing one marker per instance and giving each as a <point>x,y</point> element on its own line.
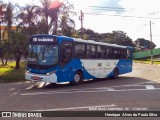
<point>43,54</point>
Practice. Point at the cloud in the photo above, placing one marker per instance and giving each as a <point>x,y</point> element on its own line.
<point>141,7</point>
<point>112,6</point>
<point>99,6</point>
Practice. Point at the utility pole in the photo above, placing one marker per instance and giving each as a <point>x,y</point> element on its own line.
<point>81,19</point>
<point>151,42</point>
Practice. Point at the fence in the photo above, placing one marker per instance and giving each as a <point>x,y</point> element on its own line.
<point>145,54</point>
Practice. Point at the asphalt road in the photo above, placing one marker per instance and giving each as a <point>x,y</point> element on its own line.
<point>136,91</point>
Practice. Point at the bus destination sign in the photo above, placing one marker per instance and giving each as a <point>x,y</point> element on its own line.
<point>43,40</point>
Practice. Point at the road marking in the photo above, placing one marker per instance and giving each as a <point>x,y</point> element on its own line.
<point>89,91</point>
<point>101,89</point>
<point>11,89</point>
<point>76,108</point>
<point>109,87</point>
<point>30,87</point>
<point>150,87</point>
<point>65,92</point>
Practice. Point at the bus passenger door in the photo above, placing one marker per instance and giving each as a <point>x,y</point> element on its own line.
<point>66,67</point>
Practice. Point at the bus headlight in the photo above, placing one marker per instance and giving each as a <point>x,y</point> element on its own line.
<point>50,73</point>
<point>27,72</point>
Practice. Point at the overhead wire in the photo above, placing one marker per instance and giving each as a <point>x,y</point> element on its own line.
<point>117,9</point>
<point>127,16</point>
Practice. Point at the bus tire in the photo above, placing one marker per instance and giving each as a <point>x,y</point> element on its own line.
<point>77,78</point>
<point>115,73</point>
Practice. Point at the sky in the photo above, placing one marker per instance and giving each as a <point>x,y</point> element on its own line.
<point>131,16</point>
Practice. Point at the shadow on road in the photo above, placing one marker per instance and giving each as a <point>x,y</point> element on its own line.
<point>105,82</point>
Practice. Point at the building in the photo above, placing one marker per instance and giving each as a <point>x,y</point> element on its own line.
<point>4,33</point>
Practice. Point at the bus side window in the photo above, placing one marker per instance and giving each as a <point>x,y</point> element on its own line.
<point>129,54</point>
<point>112,53</point>
<point>103,52</point>
<point>93,51</point>
<point>109,53</point>
<point>65,53</point>
<point>99,52</point>
<point>116,53</point>
<point>88,51</point>
<point>79,50</point>
<point>123,53</point>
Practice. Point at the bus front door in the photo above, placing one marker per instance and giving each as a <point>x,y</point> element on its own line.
<point>66,71</point>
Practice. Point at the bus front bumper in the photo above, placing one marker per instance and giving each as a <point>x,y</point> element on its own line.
<point>41,78</point>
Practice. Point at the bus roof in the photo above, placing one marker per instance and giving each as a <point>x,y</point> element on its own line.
<point>100,43</point>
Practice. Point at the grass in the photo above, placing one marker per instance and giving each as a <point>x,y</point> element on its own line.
<point>157,62</point>
<point>10,74</point>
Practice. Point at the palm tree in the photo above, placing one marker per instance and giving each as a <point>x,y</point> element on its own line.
<point>45,12</point>
<point>28,19</point>
<point>51,12</point>
<point>67,26</point>
<point>58,16</point>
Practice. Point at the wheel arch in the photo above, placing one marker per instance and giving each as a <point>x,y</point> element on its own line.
<point>115,73</point>
<point>81,72</point>
<point>116,68</point>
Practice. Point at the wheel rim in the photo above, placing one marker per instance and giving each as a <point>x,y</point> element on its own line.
<point>77,78</point>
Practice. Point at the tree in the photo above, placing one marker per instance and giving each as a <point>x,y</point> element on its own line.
<point>5,52</point>
<point>92,35</point>
<point>28,18</point>
<point>45,14</point>
<point>18,42</point>
<point>42,27</point>
<point>67,24</point>
<point>117,37</point>
<point>88,34</point>
<point>8,18</point>
<point>143,44</point>
<point>50,11</point>
<point>56,15</point>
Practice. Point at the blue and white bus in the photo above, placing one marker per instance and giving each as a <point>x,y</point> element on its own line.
<point>55,59</point>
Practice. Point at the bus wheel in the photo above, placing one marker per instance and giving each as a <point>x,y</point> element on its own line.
<point>116,73</point>
<point>77,78</point>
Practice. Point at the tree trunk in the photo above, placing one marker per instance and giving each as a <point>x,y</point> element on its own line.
<point>17,63</point>
<point>2,61</point>
<point>18,60</point>
<point>6,62</point>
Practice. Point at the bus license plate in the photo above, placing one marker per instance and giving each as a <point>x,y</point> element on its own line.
<point>36,78</point>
